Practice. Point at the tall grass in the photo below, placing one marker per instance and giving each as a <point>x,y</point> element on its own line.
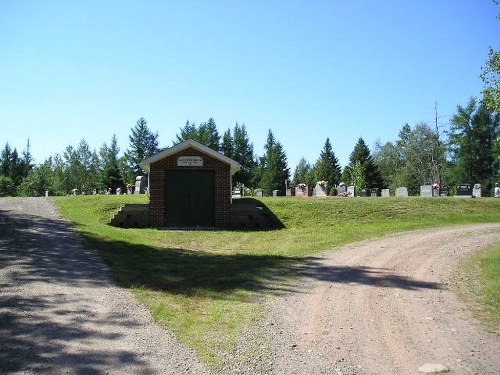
<point>205,285</point>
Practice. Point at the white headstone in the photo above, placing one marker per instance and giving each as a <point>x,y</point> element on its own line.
<point>386,193</point>
<point>401,192</point>
<point>477,191</point>
<point>321,190</point>
<point>426,191</point>
<point>140,183</point>
<point>351,191</point>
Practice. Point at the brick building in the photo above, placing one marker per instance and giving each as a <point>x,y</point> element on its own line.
<point>190,186</point>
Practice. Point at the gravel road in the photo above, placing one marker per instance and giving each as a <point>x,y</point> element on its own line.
<point>384,306</point>
<point>60,313</point>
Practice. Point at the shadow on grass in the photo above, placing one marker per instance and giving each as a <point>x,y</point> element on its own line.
<point>251,214</point>
<point>196,273</point>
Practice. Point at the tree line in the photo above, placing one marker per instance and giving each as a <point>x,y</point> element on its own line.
<point>468,153</point>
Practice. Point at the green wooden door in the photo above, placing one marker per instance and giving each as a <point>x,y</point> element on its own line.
<point>190,198</point>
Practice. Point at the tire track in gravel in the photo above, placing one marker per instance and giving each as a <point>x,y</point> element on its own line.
<point>384,307</point>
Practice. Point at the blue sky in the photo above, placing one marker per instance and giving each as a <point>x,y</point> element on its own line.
<point>308,70</point>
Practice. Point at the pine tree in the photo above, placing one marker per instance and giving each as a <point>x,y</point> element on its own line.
<point>275,172</point>
<point>188,131</point>
<point>227,145</point>
<point>327,167</point>
<point>372,176</point>
<point>6,161</point>
<point>208,135</point>
<point>143,143</point>
<point>243,154</point>
<point>111,174</point>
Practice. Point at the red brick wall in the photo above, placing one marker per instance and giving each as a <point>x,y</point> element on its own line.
<point>157,186</point>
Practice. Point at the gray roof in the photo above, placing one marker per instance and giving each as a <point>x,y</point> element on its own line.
<point>145,164</point>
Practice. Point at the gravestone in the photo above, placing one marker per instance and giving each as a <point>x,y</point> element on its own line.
<point>401,192</point>
<point>275,193</point>
<point>477,191</point>
<point>321,189</point>
<point>375,192</point>
<point>288,192</point>
<point>351,191</point>
<point>426,191</point>
<point>260,194</point>
<point>386,193</point>
<point>342,188</point>
<point>301,190</point>
<point>140,184</point>
<point>464,191</point>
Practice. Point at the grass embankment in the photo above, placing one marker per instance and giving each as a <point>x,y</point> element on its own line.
<point>480,287</point>
<point>205,285</point>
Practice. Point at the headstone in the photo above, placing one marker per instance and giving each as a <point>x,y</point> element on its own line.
<point>237,192</point>
<point>288,192</point>
<point>426,191</point>
<point>477,191</point>
<point>386,193</point>
<point>351,191</point>
<point>301,190</point>
<point>275,193</point>
<point>364,193</point>
<point>375,192</point>
<point>401,192</point>
<point>118,191</point>
<point>321,189</point>
<point>260,194</point>
<point>464,191</point>
<point>46,193</point>
<point>342,188</point>
<point>140,184</point>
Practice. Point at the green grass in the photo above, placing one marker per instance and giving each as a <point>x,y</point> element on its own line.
<point>482,286</point>
<point>206,285</point>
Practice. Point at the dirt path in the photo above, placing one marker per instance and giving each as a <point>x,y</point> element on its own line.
<point>384,307</point>
<point>60,313</point>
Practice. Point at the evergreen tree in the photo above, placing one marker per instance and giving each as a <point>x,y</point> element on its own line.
<point>143,143</point>
<point>188,131</point>
<point>208,135</point>
<point>6,161</point>
<point>243,154</point>
<point>227,145</point>
<point>275,171</point>
<point>327,167</point>
<point>111,174</point>
<point>372,176</point>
